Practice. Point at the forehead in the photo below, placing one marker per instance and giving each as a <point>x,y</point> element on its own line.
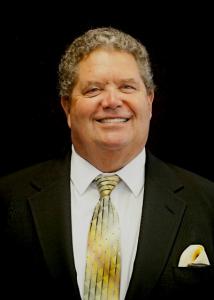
<point>110,61</point>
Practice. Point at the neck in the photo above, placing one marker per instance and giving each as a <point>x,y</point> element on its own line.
<point>108,161</point>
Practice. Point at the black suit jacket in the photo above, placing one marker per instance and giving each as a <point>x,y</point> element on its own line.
<point>37,254</point>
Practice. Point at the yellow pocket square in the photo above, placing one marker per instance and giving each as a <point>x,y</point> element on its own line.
<point>194,255</point>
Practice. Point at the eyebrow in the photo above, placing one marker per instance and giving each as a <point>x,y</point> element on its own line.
<point>89,83</point>
<point>128,80</point>
<point>93,82</point>
<point>131,81</point>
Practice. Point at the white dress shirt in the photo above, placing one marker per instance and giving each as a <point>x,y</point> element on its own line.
<point>127,198</point>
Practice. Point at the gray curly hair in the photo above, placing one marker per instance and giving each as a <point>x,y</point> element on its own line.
<point>93,39</point>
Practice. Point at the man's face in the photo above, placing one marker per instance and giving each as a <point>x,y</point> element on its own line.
<point>110,108</point>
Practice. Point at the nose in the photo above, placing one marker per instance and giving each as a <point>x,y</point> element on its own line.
<point>111,99</point>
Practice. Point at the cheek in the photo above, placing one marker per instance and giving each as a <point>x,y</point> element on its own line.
<point>80,113</point>
<point>142,109</point>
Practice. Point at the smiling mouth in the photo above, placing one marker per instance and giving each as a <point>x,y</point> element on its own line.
<point>113,120</point>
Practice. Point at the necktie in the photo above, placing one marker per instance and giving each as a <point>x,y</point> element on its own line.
<point>102,275</point>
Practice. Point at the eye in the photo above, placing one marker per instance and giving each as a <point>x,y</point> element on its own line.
<point>127,88</point>
<point>92,92</point>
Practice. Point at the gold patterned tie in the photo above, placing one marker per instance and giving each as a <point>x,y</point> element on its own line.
<point>103,263</point>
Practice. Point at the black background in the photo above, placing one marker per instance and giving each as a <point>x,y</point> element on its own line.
<point>179,40</point>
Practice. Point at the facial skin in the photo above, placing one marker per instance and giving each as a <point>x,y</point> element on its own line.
<point>109,110</point>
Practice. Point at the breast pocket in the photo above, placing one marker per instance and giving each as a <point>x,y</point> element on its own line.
<point>194,281</point>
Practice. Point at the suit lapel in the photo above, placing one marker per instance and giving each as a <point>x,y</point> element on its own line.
<point>161,217</point>
<point>52,215</point>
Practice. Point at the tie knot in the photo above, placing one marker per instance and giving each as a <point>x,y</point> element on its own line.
<point>106,184</point>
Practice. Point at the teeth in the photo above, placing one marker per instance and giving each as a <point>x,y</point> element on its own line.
<point>116,120</point>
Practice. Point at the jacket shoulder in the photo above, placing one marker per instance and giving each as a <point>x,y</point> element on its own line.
<point>167,174</point>
<point>193,179</point>
<point>38,175</point>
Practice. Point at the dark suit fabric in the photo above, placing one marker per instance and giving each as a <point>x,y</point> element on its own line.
<point>37,254</point>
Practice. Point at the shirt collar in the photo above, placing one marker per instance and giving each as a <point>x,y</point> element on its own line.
<point>82,172</point>
<point>133,174</point>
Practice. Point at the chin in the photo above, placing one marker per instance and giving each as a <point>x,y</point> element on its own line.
<point>114,145</point>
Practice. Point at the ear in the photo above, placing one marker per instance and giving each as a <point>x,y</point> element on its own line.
<point>150,100</point>
<point>66,105</point>
<point>151,96</point>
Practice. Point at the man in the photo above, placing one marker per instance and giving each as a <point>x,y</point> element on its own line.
<point>163,216</point>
